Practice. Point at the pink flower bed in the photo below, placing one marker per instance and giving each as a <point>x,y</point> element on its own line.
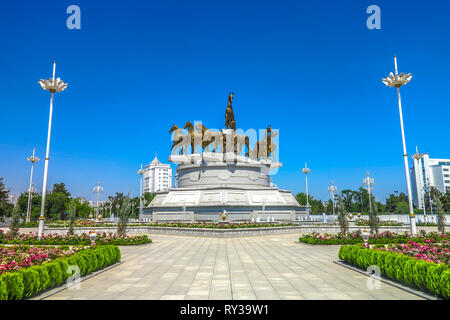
<point>16,257</point>
<point>430,251</point>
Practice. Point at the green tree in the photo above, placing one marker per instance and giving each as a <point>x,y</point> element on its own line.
<point>125,212</point>
<point>439,210</point>
<point>56,205</point>
<point>342,216</point>
<point>15,221</point>
<point>4,194</point>
<point>72,215</point>
<point>148,196</point>
<point>36,200</point>
<point>61,187</point>
<point>82,208</point>
<point>315,206</point>
<point>402,208</point>
<point>347,197</point>
<point>329,209</point>
<point>394,200</point>
<point>374,220</point>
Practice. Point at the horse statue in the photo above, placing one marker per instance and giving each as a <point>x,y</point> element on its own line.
<point>196,138</point>
<point>271,146</point>
<point>230,123</point>
<point>213,139</point>
<point>265,147</point>
<point>240,140</point>
<point>180,140</point>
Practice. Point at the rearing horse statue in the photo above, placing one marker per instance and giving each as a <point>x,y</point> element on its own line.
<point>196,138</point>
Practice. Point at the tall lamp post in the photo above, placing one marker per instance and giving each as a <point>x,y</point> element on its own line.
<point>306,170</point>
<point>397,81</point>
<point>332,189</point>
<point>53,85</point>
<point>369,182</point>
<point>417,156</point>
<point>32,159</point>
<point>97,190</point>
<point>140,172</point>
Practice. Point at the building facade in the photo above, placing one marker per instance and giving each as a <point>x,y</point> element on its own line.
<point>427,173</point>
<point>157,176</point>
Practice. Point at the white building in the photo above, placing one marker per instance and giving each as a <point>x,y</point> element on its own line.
<point>427,173</point>
<point>157,176</point>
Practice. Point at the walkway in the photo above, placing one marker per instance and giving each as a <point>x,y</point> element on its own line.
<point>263,267</point>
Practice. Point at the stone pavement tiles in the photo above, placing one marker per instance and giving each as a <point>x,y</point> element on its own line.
<point>261,267</point>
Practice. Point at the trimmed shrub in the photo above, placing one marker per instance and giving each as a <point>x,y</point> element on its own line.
<point>3,292</point>
<point>64,265</point>
<point>14,285</point>
<point>30,281</point>
<point>54,272</point>
<point>444,284</point>
<point>43,277</point>
<point>424,275</point>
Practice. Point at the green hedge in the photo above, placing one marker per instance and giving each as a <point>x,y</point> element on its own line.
<point>380,240</point>
<point>421,274</point>
<point>30,281</point>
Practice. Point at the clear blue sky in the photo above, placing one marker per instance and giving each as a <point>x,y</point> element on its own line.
<point>312,69</point>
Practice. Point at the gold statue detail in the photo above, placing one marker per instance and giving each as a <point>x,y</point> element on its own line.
<point>230,123</point>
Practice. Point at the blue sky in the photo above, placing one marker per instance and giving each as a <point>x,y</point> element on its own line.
<point>312,69</point>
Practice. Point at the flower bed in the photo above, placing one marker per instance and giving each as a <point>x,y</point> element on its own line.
<point>212,225</point>
<point>412,265</point>
<point>83,239</point>
<point>13,258</point>
<point>78,223</point>
<point>429,251</point>
<point>25,282</point>
<point>382,223</point>
<point>381,238</point>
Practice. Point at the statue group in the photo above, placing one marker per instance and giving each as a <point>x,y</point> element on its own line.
<point>228,140</point>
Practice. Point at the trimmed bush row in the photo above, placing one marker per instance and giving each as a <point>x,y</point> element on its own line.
<point>359,241</point>
<point>83,239</point>
<point>30,281</point>
<point>420,274</point>
<point>382,238</point>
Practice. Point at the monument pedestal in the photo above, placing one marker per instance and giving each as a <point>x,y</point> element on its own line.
<point>209,186</point>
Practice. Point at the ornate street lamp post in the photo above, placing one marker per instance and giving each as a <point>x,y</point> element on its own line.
<point>332,189</point>
<point>397,81</point>
<point>53,85</point>
<point>417,156</point>
<point>32,159</point>
<point>306,170</point>
<point>140,172</point>
<point>369,182</point>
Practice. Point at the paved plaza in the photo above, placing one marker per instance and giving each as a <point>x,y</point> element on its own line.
<point>260,267</point>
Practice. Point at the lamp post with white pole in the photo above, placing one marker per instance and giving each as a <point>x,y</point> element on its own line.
<point>369,182</point>
<point>417,156</point>
<point>306,170</point>
<point>332,189</point>
<point>397,81</point>
<point>32,159</point>
<point>140,172</point>
<point>53,85</point>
